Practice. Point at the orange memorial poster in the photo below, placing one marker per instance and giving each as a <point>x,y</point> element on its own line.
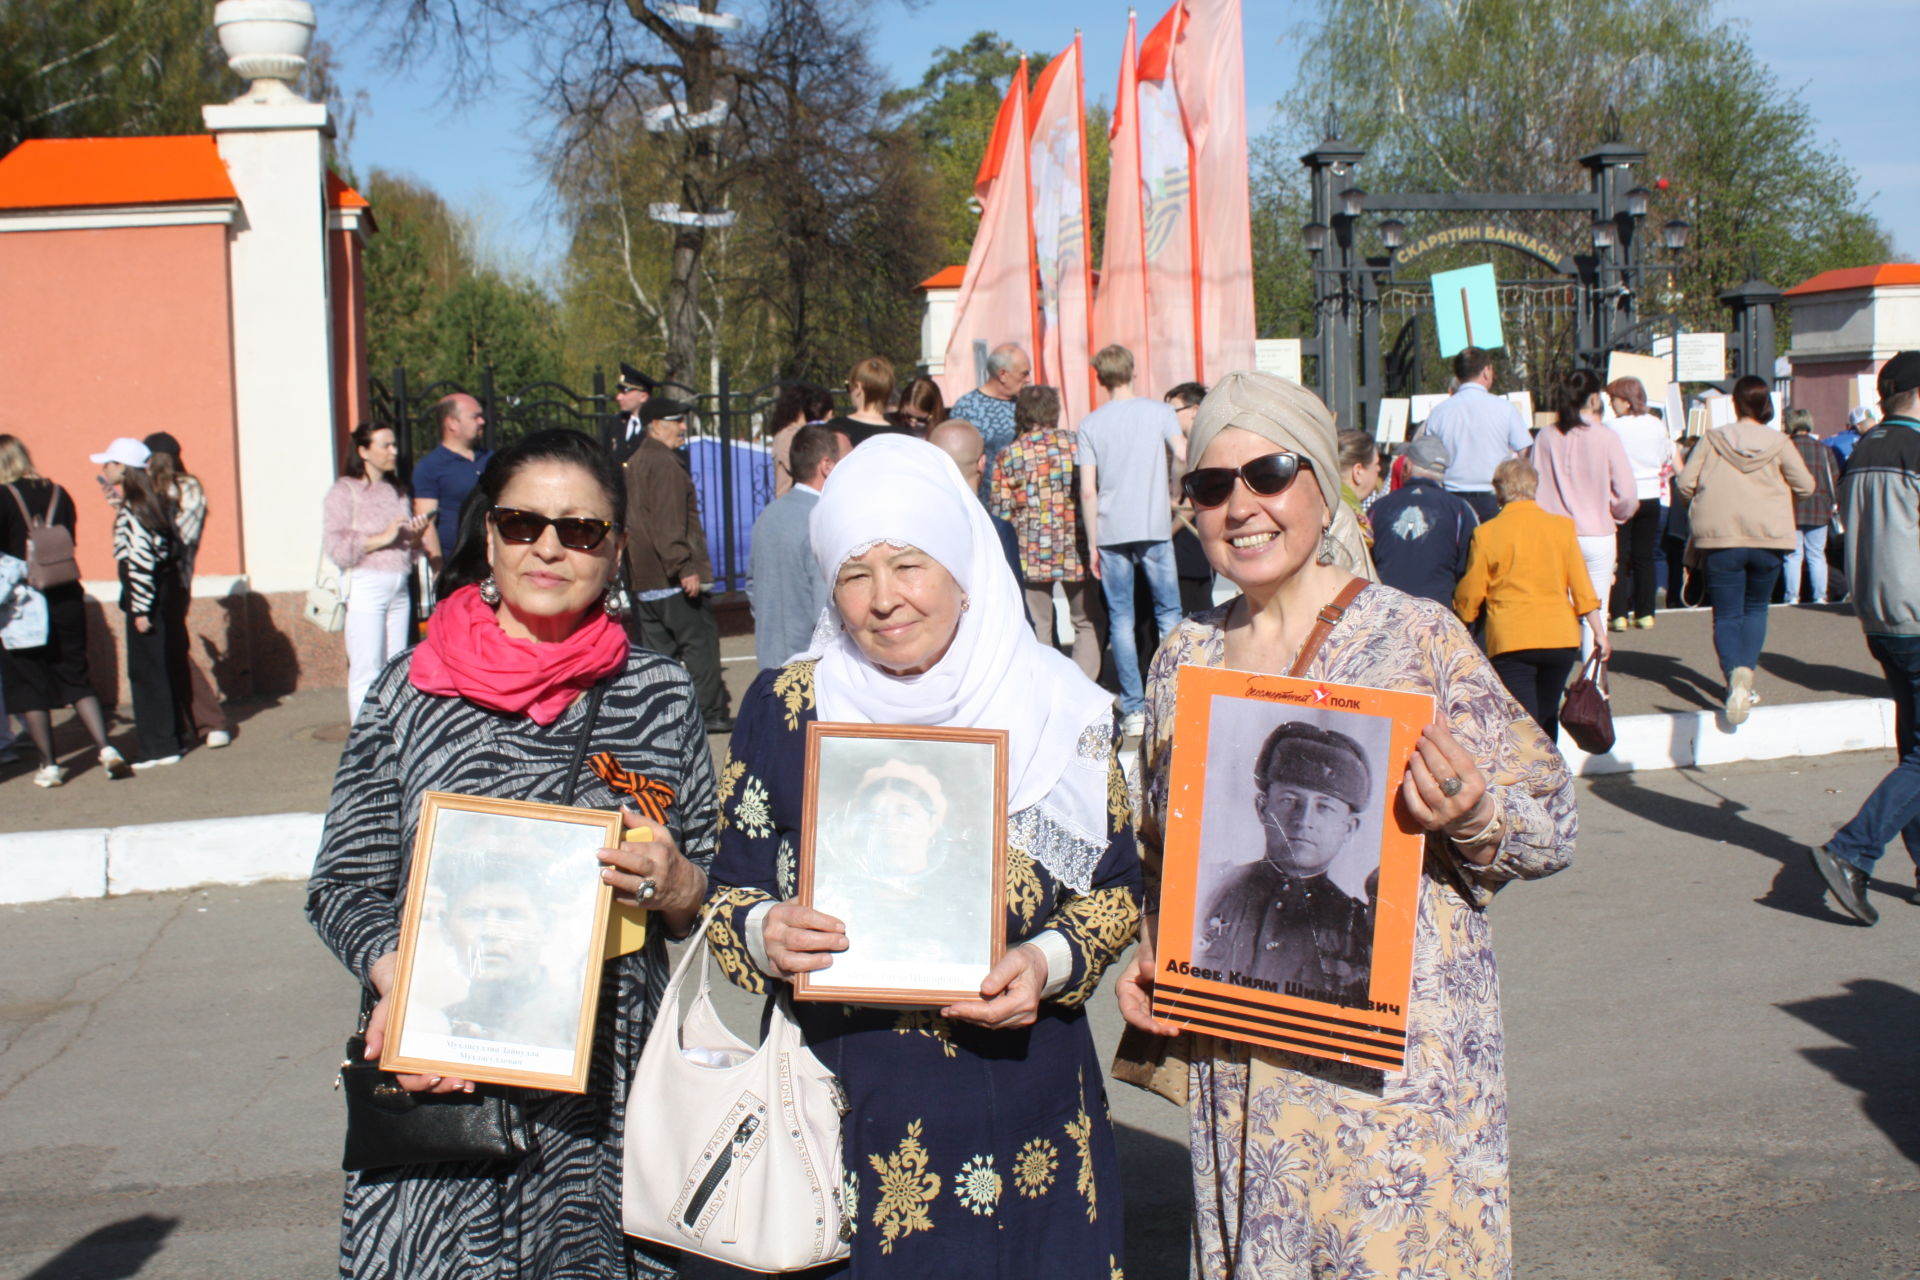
<point>1290,884</point>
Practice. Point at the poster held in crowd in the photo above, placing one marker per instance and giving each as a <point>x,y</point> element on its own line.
<point>904,842</point>
<point>501,942</point>
<point>1291,880</point>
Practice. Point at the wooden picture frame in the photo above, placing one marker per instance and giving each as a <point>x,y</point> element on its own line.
<point>880,797</point>
<point>1254,943</point>
<point>501,943</point>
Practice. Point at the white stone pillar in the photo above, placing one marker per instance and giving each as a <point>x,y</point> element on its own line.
<point>282,331</point>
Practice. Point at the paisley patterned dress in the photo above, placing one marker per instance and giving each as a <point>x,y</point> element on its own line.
<point>555,1213</point>
<point>1310,1170</point>
<point>969,1154</point>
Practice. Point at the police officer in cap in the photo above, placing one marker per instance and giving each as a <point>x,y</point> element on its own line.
<point>629,426</point>
<point>1281,920</point>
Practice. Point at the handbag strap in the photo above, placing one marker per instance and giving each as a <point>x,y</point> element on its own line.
<point>1595,669</point>
<point>1329,618</point>
<point>580,744</point>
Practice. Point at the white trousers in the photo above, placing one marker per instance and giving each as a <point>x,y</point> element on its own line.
<point>1601,554</point>
<point>376,630</point>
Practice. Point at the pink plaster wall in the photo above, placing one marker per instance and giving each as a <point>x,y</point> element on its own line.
<point>122,331</point>
<point>352,392</point>
<point>1822,388</point>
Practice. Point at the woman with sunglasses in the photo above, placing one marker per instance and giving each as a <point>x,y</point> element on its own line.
<point>523,671</point>
<point>1297,1160</point>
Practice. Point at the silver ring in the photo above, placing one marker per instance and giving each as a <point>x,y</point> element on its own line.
<point>1451,787</point>
<point>647,891</point>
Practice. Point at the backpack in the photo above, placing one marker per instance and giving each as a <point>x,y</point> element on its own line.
<point>49,556</point>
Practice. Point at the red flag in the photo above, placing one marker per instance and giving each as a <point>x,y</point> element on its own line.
<point>1058,160</point>
<point>1166,167</point>
<point>1120,302</point>
<point>997,302</point>
<point>1209,70</point>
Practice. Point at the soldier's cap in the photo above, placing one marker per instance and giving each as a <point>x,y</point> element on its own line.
<point>1323,760</point>
<point>631,379</point>
<point>658,410</point>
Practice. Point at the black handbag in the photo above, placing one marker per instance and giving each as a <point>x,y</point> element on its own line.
<point>1587,713</point>
<point>388,1125</point>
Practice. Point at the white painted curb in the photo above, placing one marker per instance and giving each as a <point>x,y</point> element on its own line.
<point>94,862</point>
<point>1683,739</point>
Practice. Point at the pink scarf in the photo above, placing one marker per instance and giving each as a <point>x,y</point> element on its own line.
<point>467,655</point>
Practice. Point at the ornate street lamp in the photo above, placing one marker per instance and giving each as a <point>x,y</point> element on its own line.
<point>1393,233</point>
<point>1313,236</point>
<point>1604,234</point>
<point>1674,234</point>
<point>1353,202</point>
<point>1637,202</point>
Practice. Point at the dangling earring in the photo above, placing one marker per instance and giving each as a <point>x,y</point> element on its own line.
<point>490,590</point>
<point>611,605</point>
<point>966,602</point>
<point>1329,549</point>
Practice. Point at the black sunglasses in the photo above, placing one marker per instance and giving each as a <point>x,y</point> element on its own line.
<point>576,533</point>
<point>1266,475</point>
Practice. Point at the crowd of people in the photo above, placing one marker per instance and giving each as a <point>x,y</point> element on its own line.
<point>937,568</point>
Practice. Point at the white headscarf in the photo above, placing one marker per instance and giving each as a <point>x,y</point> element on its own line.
<point>996,675</point>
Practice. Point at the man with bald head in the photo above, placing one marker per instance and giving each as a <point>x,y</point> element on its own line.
<point>990,406</point>
<point>960,440</point>
<point>443,479</point>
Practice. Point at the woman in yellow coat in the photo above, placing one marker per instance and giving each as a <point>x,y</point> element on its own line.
<point>1526,571</point>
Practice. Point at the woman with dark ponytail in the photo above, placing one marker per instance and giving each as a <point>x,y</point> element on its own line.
<point>1586,476</point>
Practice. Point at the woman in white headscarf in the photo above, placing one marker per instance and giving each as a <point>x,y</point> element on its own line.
<point>978,1143</point>
<point>1303,1167</point>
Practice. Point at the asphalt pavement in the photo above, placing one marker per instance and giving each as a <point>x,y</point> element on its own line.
<point>1712,1074</point>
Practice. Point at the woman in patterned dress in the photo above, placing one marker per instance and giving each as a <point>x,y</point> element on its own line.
<point>1034,488</point>
<point>978,1146</point>
<point>1304,1168</point>
<point>492,704</point>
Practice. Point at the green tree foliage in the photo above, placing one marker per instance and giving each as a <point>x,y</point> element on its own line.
<point>1506,95</point>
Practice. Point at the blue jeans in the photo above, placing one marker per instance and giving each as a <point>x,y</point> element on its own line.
<point>1116,583</point>
<point>1894,805</point>
<point>1812,550</point>
<point>1740,584</point>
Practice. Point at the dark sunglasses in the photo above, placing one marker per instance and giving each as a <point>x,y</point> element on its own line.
<point>1266,475</point>
<point>576,533</point>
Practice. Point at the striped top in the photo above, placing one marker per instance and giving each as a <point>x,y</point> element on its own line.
<point>143,556</point>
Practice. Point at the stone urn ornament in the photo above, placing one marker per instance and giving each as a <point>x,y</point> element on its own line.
<point>266,42</point>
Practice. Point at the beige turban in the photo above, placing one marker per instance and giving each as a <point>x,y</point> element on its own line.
<point>1296,420</point>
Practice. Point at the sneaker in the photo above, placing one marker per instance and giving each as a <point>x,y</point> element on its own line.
<point>158,762</point>
<point>1739,695</point>
<point>49,775</point>
<point>115,764</point>
<point>1846,882</point>
<point>1132,726</point>
<point>1644,622</point>
<point>219,738</point>
<point>1618,624</point>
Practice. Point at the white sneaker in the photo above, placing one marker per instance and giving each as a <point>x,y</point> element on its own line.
<point>1739,695</point>
<point>1134,725</point>
<point>115,764</point>
<point>219,738</point>
<point>49,775</point>
<point>158,762</point>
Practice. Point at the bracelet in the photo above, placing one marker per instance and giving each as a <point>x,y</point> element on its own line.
<point>1484,834</point>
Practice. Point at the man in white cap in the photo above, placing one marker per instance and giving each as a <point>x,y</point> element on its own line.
<point>1860,420</point>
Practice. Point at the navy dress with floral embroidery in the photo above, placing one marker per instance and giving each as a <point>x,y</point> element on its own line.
<point>969,1153</point>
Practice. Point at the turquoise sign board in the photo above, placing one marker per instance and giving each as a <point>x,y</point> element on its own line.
<point>1466,309</point>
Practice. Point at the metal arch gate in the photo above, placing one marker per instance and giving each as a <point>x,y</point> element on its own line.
<point>1403,358</point>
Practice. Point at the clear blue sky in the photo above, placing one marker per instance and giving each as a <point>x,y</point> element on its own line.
<point>479,153</point>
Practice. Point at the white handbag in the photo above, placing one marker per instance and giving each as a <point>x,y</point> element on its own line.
<point>732,1151</point>
<point>326,606</point>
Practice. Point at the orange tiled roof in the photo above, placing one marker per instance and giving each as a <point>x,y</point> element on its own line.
<point>67,173</point>
<point>1860,278</point>
<point>342,196</point>
<point>945,278</point>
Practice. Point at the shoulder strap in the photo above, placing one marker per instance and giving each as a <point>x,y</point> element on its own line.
<point>1329,618</point>
<point>21,503</point>
<point>580,745</point>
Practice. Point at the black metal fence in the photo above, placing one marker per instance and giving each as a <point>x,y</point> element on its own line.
<point>728,449</point>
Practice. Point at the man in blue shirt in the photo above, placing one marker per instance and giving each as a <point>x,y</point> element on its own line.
<point>1479,430</point>
<point>443,479</point>
<point>1420,531</point>
<point>1860,420</point>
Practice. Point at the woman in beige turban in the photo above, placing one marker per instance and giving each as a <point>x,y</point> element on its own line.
<point>1303,1167</point>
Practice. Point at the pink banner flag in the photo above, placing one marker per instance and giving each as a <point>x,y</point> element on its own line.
<point>1166,189</point>
<point>1120,300</point>
<point>997,301</point>
<point>1209,71</point>
<point>1058,160</point>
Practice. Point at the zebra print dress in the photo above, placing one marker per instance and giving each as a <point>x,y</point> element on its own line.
<point>555,1213</point>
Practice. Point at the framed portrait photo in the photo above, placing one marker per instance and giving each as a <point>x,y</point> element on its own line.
<point>1291,878</point>
<point>904,840</point>
<point>501,942</point>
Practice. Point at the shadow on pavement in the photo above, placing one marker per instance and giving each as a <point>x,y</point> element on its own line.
<point>1797,888</point>
<point>1158,1178</point>
<point>1670,673</point>
<point>1880,1055</point>
<point>114,1252</point>
<point>1823,677</point>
